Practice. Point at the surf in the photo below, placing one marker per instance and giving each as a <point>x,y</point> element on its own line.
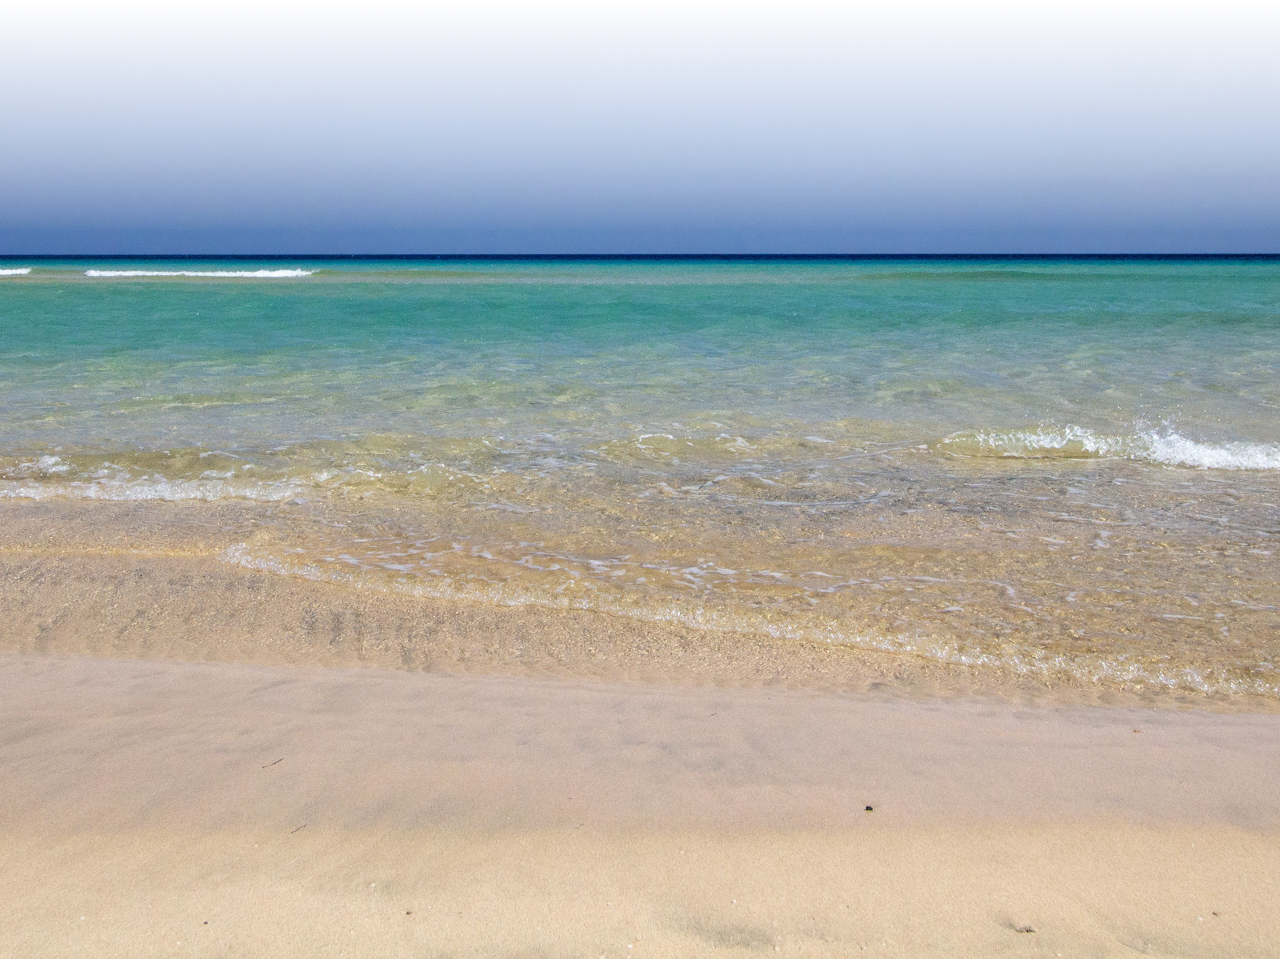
<point>1168,448</point>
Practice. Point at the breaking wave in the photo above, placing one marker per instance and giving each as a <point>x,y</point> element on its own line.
<point>219,274</point>
<point>23,271</point>
<point>1074,442</point>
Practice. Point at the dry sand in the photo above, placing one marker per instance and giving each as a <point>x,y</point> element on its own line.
<point>159,808</point>
<point>177,777</point>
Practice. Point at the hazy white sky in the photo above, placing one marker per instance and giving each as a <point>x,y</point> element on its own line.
<point>655,127</point>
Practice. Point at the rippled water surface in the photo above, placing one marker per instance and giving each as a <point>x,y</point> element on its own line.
<point>1068,468</point>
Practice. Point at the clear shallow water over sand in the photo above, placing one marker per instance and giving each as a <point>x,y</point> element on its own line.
<point>1070,469</point>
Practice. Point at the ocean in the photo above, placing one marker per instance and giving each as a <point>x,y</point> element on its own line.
<point>1064,468</point>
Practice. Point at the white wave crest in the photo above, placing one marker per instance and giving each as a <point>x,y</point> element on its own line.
<point>1168,448</point>
<point>218,274</point>
<point>151,489</point>
<point>23,271</point>
<point>1176,450</point>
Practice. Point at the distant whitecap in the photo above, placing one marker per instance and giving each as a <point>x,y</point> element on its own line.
<point>218,274</point>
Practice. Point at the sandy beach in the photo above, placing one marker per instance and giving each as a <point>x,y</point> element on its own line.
<point>162,808</point>
<point>152,580</point>
<point>202,759</point>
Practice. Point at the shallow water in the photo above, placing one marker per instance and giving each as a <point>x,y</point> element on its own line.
<point>1068,468</point>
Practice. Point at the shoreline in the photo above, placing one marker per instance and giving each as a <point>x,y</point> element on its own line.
<point>183,608</point>
<point>127,580</point>
<point>363,812</point>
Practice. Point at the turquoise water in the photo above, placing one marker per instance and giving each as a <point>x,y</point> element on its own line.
<point>590,349</point>
<point>639,419</point>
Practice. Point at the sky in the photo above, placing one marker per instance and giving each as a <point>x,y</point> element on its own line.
<point>651,127</point>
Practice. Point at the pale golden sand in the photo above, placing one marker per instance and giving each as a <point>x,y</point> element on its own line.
<point>152,580</point>
<point>625,789</point>
<point>337,812</point>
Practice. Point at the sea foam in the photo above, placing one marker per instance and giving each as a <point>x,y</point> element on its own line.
<point>172,491</point>
<point>1074,442</point>
<point>31,480</point>
<point>219,274</point>
<point>23,271</point>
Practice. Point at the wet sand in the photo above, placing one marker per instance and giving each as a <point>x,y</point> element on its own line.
<point>148,580</point>
<point>162,808</point>
<point>179,776</point>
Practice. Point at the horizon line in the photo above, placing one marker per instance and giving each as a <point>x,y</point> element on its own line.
<point>640,256</point>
